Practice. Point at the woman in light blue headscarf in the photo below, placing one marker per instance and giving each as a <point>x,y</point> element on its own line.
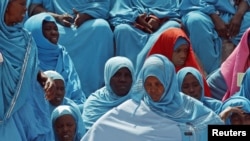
<point>119,78</point>
<point>53,56</point>
<point>195,88</point>
<point>85,33</point>
<point>138,23</point>
<point>24,113</point>
<point>170,102</point>
<point>71,129</point>
<point>235,110</point>
<point>209,22</point>
<point>59,98</point>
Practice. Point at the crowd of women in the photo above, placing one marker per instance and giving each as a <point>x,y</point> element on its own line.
<point>122,69</point>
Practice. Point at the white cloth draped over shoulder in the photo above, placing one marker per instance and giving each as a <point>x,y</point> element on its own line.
<point>132,122</point>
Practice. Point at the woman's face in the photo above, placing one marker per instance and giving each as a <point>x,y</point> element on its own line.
<point>50,31</point>
<point>15,12</point>
<point>121,82</point>
<point>65,128</point>
<point>154,88</point>
<point>180,55</point>
<point>60,92</point>
<point>191,86</point>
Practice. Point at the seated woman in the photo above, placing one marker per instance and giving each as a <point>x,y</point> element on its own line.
<point>67,123</point>
<point>54,56</point>
<point>175,45</point>
<point>157,112</point>
<point>59,95</point>
<point>235,111</point>
<point>119,78</point>
<point>223,82</point>
<point>190,82</point>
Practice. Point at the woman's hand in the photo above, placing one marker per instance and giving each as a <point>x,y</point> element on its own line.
<point>229,111</point>
<point>48,85</point>
<point>65,19</point>
<point>80,18</point>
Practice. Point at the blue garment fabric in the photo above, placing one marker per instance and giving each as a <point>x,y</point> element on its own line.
<point>24,112</point>
<point>122,17</point>
<point>75,113</point>
<point>211,103</point>
<point>89,45</point>
<point>217,84</point>
<point>244,88</point>
<point>173,104</point>
<point>55,57</point>
<point>200,28</point>
<point>234,101</point>
<point>104,99</point>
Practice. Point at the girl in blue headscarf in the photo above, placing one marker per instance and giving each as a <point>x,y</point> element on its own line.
<point>59,97</point>
<point>190,82</point>
<point>119,78</point>
<point>24,114</point>
<point>67,123</point>
<point>53,56</point>
<point>235,110</point>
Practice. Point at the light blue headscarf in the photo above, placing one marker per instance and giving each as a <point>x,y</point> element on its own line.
<point>55,57</point>
<point>173,104</point>
<point>105,99</point>
<point>21,96</point>
<point>69,110</point>
<point>180,41</point>
<point>207,101</point>
<point>233,101</point>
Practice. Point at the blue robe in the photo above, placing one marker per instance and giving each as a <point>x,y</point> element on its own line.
<point>24,114</point>
<point>205,40</point>
<point>211,103</point>
<point>129,40</point>
<point>89,45</point>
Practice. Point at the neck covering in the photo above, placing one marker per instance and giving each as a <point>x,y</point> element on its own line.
<point>69,110</point>
<point>237,62</point>
<point>207,101</point>
<point>105,99</point>
<point>235,100</point>
<point>165,45</point>
<point>173,104</point>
